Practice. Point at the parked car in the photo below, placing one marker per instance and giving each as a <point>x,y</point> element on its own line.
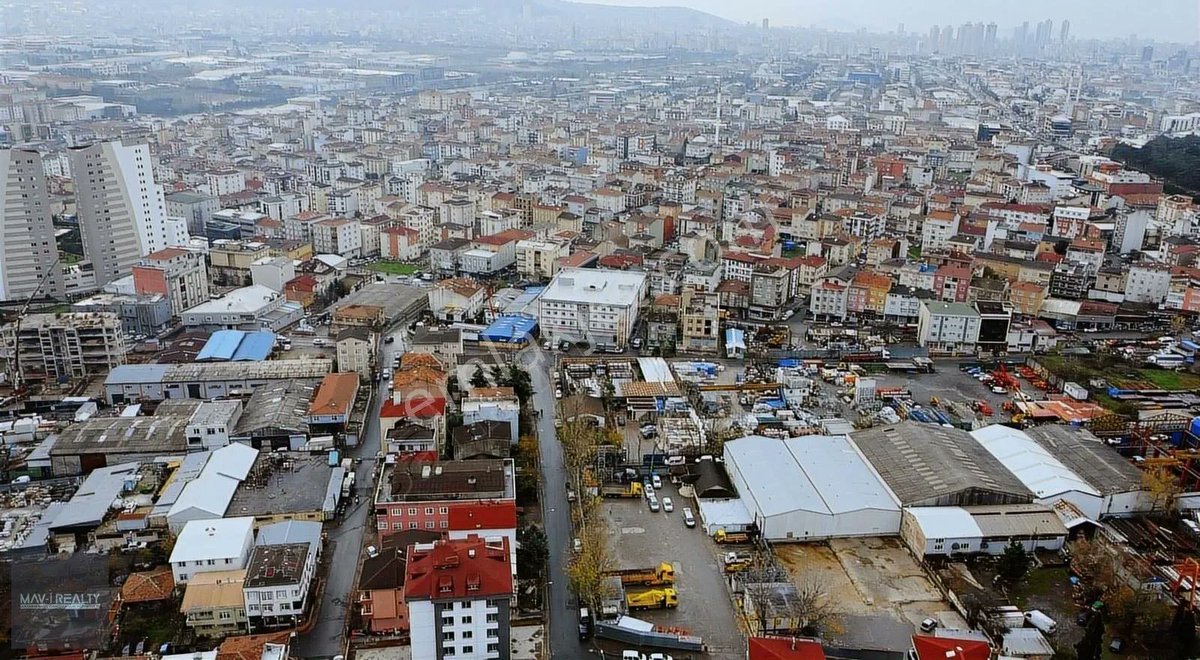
<point>689,520</point>
<point>928,625</point>
<point>654,505</point>
<point>656,481</point>
<point>320,341</point>
<point>389,339</point>
<point>668,505</point>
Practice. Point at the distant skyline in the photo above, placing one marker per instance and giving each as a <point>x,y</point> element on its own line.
<point>1169,20</point>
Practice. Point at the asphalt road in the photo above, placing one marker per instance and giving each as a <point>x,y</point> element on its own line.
<point>563,632</point>
<point>327,637</point>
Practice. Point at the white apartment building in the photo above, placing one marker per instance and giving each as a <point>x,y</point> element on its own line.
<point>219,544</point>
<point>340,236</point>
<point>829,299</point>
<point>1147,283</point>
<point>937,230</point>
<point>224,182</point>
<point>122,214</point>
<point>272,272</point>
<point>539,259</point>
<point>28,253</point>
<point>459,593</point>
<point>423,220</point>
<point>277,585</point>
<point>179,274</point>
<point>947,327</point>
<point>596,306</point>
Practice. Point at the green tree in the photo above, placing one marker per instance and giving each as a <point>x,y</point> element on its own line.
<point>1013,564</point>
<point>479,379</point>
<point>532,553</point>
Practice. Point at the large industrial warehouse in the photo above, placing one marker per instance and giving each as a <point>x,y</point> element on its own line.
<point>927,465</point>
<point>814,487</point>
<point>1058,463</point>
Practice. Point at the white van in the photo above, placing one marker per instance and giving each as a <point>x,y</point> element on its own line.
<point>1039,620</point>
<point>688,518</point>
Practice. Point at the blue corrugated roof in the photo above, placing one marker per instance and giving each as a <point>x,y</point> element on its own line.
<point>221,346</point>
<point>255,347</point>
<point>509,329</point>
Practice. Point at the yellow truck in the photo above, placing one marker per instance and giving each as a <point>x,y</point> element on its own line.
<point>631,489</point>
<point>723,536</point>
<point>653,576</point>
<point>653,599</point>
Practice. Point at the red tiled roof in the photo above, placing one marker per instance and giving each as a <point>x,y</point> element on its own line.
<point>458,569</point>
<point>250,647</point>
<point>946,648</point>
<point>784,648</point>
<point>422,408</point>
<point>484,515</point>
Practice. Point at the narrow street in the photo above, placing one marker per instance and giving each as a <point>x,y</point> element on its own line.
<point>563,634</point>
<point>327,637</point>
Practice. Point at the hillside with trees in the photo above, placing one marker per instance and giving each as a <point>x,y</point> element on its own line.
<point>1174,160</point>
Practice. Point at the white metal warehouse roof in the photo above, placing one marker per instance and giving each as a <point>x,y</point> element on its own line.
<point>822,474</point>
<point>1036,467</point>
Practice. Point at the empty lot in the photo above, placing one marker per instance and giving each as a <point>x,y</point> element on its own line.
<point>876,584</point>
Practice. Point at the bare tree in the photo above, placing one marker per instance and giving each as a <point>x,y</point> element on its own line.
<point>779,604</point>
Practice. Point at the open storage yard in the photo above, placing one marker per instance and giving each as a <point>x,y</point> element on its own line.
<point>640,537</point>
<point>881,593</point>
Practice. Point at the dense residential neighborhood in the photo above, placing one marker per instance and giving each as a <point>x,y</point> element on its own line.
<point>559,330</point>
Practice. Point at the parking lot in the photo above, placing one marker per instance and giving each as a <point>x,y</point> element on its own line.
<point>881,592</point>
<point>640,538</point>
<point>947,384</point>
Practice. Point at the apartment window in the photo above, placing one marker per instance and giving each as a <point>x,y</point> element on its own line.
<point>396,526</point>
<point>468,649</point>
<point>466,604</point>
<point>224,615</point>
<point>412,511</point>
<point>444,510</point>
<point>493,648</point>
<point>429,525</point>
<point>445,525</point>
<point>183,577</point>
<point>448,636</point>
<point>383,525</point>
<point>429,511</point>
<point>493,617</point>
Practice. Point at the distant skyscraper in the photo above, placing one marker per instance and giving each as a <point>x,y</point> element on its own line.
<point>1064,32</point>
<point>989,38</point>
<point>1148,54</point>
<point>766,24</point>
<point>122,215</point>
<point>934,35</point>
<point>1021,37</point>
<point>1044,30</point>
<point>27,248</point>
<point>900,30</point>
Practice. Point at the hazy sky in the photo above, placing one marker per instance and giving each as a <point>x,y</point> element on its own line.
<point>1164,20</point>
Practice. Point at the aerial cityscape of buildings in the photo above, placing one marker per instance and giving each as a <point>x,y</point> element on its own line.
<point>561,330</point>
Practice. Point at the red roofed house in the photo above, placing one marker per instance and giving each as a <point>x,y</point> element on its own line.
<point>784,648</point>
<point>381,606</point>
<point>455,498</point>
<point>459,593</point>
<point>301,289</point>
<point>419,396</point>
<point>948,648</point>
